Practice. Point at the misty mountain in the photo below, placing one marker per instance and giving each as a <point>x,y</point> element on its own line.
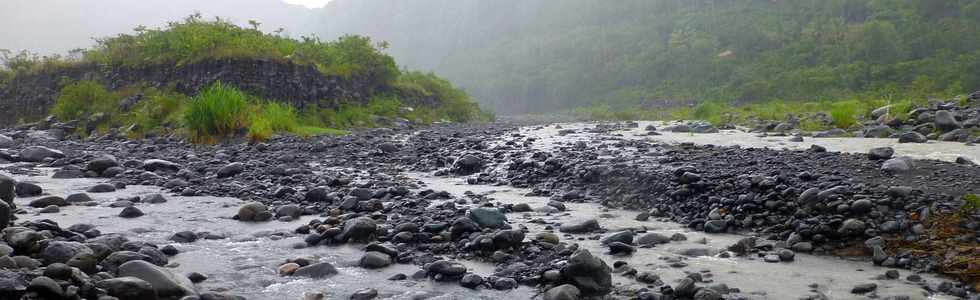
<point>546,55</point>
<point>56,26</point>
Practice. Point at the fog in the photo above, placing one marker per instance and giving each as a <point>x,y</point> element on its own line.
<point>532,56</point>
<point>57,26</point>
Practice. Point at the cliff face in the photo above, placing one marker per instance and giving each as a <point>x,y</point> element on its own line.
<point>29,97</point>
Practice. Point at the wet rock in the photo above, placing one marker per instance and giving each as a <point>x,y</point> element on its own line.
<point>622,237</point>
<point>897,165</point>
<point>7,187</point>
<point>471,281</point>
<point>563,292</point>
<point>912,137</point>
<point>620,248</point>
<point>50,209</point>
<point>365,294</point>
<point>965,161</point>
<point>39,154</point>
<point>290,210</point>
<point>99,165</point>
<point>154,199</point>
<point>27,189</point>
<point>588,273</point>
<point>6,141</point>
<point>881,153</point>
<point>715,226</point>
<point>447,268</point>
<point>685,288</point>
<point>46,287</point>
<point>488,217</point>
<point>852,227</point>
<point>254,212</point>
<point>46,201</point>
<point>508,239</point>
<point>231,170</point>
<point>130,212</point>
<point>79,198</point>
<point>184,237</point>
<point>154,165</point>
<point>505,283</point>
<point>165,283</point>
<point>946,122</point>
<point>317,270</point>
<point>583,226</point>
<point>358,229</point>
<point>128,288</point>
<point>375,260</point>
<point>864,288</point>
<point>61,252</point>
<point>102,188</point>
<point>468,164</point>
<point>786,255</point>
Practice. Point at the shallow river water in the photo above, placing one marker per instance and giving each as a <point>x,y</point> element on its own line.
<point>947,151</point>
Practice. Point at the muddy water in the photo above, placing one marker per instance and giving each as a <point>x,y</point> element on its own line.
<point>947,151</point>
<point>245,262</point>
<point>833,277</point>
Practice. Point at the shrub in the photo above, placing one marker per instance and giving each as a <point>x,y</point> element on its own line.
<point>971,204</point>
<point>215,112</point>
<point>843,114</point>
<point>81,99</point>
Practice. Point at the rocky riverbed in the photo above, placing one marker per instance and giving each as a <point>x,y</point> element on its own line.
<point>569,211</point>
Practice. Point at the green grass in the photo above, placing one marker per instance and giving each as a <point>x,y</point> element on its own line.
<point>217,111</point>
<point>971,204</point>
<point>844,114</point>
<point>80,100</point>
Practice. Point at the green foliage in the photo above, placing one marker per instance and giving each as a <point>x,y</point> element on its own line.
<point>644,53</point>
<point>195,39</point>
<point>79,100</point>
<point>843,114</point>
<point>971,204</point>
<point>217,111</point>
<point>427,89</point>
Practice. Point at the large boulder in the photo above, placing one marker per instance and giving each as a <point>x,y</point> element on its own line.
<point>912,137</point>
<point>488,217</point>
<point>6,141</point>
<point>39,154</point>
<point>588,273</point>
<point>467,164</point>
<point>100,164</point>
<point>562,292</point>
<point>897,165</point>
<point>946,121</point>
<point>231,169</point>
<point>61,252</point>
<point>128,288</point>
<point>154,165</point>
<point>165,283</point>
<point>7,187</point>
<point>358,229</point>
<point>317,270</point>
<point>48,201</point>
<point>254,212</point>
<point>582,226</point>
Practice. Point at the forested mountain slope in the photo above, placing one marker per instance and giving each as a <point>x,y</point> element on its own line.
<point>545,55</point>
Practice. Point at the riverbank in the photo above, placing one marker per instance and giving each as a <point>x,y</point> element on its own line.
<point>369,199</point>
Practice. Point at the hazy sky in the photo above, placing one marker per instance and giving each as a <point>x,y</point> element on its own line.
<point>309,3</point>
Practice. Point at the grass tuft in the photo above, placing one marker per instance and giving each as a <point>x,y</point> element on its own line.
<point>217,111</point>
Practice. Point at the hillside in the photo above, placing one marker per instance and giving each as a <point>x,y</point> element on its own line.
<point>302,86</point>
<point>534,56</point>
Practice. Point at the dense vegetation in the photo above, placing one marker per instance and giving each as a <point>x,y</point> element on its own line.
<point>536,56</point>
<point>223,110</point>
